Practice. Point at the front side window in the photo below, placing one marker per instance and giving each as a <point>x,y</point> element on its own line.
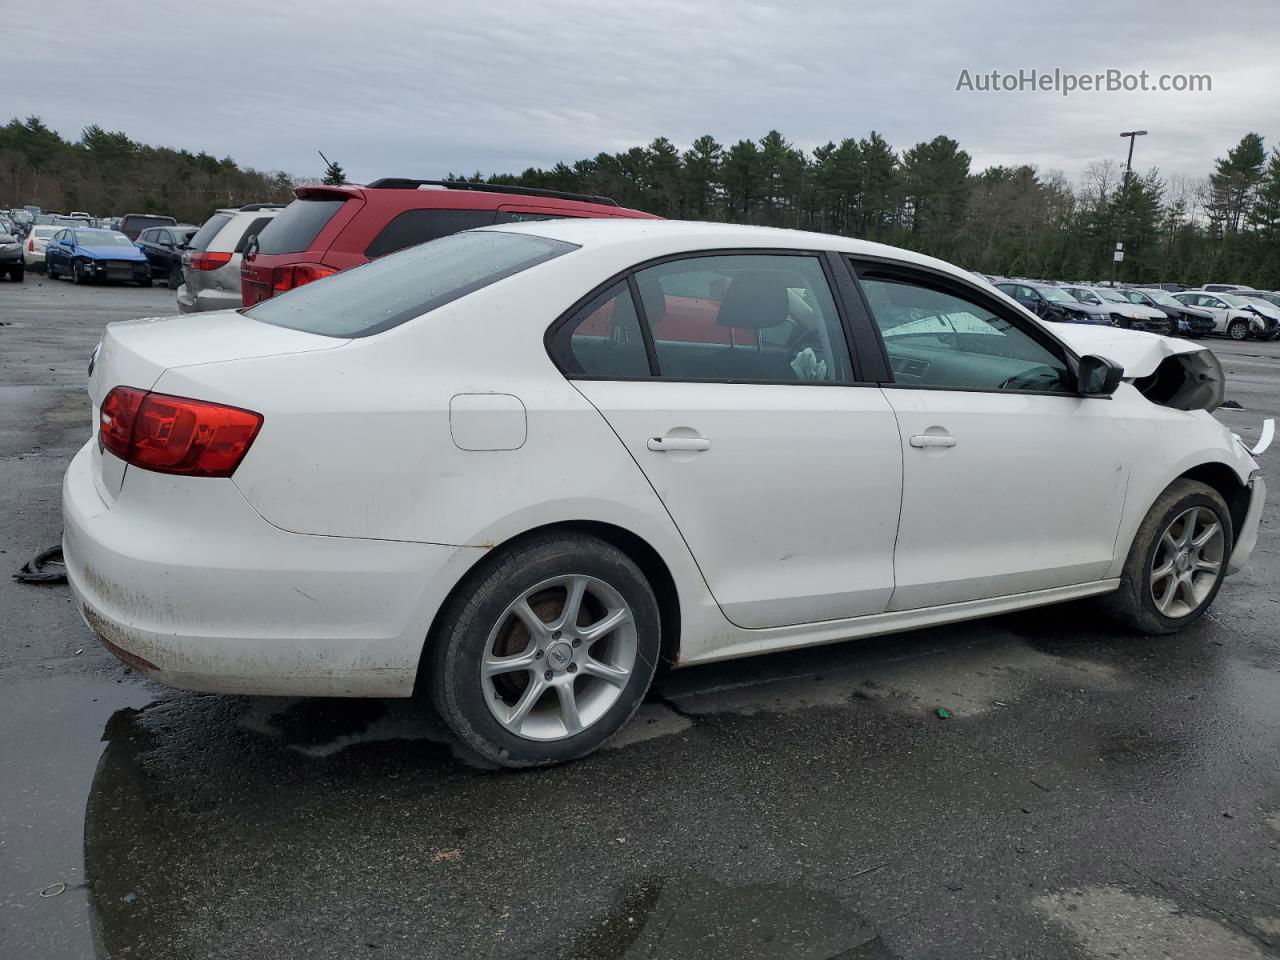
<point>941,340</point>
<point>747,317</point>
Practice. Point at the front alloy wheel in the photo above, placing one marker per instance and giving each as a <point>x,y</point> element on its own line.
<point>544,651</point>
<point>1177,561</point>
<point>1187,561</point>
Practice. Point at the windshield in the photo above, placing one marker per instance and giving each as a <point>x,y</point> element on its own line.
<point>1163,299</point>
<point>384,293</point>
<point>1109,295</point>
<point>1056,295</point>
<point>1234,300</point>
<point>102,238</point>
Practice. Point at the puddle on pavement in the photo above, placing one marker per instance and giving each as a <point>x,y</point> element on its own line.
<point>53,744</point>
<point>693,916</point>
<point>966,679</point>
<point>1108,922</point>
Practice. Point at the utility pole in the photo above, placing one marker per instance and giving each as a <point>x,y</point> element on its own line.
<point>1118,255</point>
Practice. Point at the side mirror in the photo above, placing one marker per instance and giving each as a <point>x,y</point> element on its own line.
<point>1098,376</point>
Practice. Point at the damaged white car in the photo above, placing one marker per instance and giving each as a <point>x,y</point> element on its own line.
<point>513,469</point>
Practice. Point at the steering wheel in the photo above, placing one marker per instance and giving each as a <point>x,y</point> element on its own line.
<point>1033,378</point>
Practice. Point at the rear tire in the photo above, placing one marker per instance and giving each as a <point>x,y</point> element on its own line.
<point>175,277</point>
<point>1177,561</point>
<point>17,274</point>
<point>513,666</point>
<point>1238,329</point>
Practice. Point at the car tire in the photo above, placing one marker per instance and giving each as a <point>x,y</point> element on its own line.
<point>1160,592</point>
<point>557,675</point>
<point>18,274</point>
<point>1238,329</point>
<point>49,272</point>
<point>77,273</point>
<point>144,282</point>
<point>175,277</point>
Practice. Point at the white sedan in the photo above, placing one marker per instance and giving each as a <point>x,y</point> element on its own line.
<point>514,469</point>
<point>34,245</point>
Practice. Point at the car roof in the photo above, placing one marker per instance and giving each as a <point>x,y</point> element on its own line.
<point>687,236</point>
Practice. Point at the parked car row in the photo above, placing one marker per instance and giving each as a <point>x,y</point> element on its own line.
<point>1238,314</point>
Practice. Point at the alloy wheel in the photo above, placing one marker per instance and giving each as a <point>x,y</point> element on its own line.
<point>1187,562</point>
<point>559,657</point>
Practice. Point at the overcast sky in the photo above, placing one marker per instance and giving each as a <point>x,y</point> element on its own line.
<point>400,88</point>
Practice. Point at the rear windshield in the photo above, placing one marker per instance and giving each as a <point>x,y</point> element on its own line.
<point>252,230</point>
<point>141,223</point>
<point>297,226</point>
<point>385,293</point>
<point>204,236</point>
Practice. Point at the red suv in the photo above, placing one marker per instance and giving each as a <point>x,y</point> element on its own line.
<point>328,229</point>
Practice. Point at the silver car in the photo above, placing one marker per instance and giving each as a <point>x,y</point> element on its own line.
<point>211,263</point>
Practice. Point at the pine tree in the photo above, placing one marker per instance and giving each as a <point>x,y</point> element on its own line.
<point>334,175</point>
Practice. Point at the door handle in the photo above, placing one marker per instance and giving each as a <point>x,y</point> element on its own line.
<point>669,444</point>
<point>931,440</point>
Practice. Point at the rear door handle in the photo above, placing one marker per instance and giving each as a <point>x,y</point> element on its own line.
<point>931,440</point>
<point>669,444</point>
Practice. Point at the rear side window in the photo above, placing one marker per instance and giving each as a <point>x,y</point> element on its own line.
<point>385,293</point>
<point>252,231</point>
<point>603,339</point>
<point>744,317</point>
<point>419,226</point>
<point>204,236</point>
<point>297,226</point>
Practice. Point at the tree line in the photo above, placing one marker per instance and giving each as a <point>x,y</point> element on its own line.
<point>1010,220</point>
<point>107,173</point>
<point>1016,221</point>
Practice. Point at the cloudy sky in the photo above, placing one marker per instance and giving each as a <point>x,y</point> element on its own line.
<point>402,88</point>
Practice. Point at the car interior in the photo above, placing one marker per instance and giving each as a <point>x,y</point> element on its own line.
<point>935,339</point>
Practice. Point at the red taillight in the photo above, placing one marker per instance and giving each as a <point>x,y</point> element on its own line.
<point>286,278</point>
<point>203,260</point>
<point>31,244</point>
<point>167,434</point>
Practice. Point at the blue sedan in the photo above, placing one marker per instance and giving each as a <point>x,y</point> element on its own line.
<point>85,253</point>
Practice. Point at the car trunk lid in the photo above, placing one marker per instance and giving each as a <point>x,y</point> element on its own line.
<point>136,352</point>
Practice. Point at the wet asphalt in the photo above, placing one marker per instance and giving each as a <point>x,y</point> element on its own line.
<point>1093,794</point>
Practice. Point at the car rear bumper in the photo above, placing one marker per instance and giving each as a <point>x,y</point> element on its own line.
<point>1247,539</point>
<point>32,257</point>
<point>202,300</point>
<point>181,579</point>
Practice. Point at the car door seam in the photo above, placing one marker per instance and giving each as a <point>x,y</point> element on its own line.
<point>658,496</point>
<point>902,493</point>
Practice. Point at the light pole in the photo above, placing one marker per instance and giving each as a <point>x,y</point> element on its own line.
<point>1118,255</point>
